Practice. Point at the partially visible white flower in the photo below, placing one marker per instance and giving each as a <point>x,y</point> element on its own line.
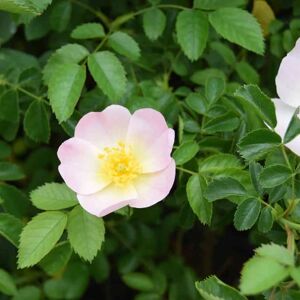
<point>288,90</point>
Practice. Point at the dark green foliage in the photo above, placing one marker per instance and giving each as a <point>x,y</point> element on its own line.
<point>210,69</point>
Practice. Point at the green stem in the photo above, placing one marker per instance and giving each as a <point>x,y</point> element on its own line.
<point>290,224</point>
<point>26,92</point>
<point>186,171</point>
<point>141,11</point>
<point>292,203</point>
<point>286,157</point>
<point>99,46</point>
<point>105,20</point>
<point>267,204</point>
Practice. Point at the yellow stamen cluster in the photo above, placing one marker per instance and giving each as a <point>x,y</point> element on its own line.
<point>119,165</point>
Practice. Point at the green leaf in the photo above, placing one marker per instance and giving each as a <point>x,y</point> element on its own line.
<point>247,214</point>
<point>30,79</point>
<point>108,73</point>
<point>69,285</point>
<point>125,45</point>
<point>260,102</point>
<point>8,27</point>
<point>295,274</point>
<point>224,51</point>
<point>200,76</point>
<point>258,143</point>
<point>215,4</point>
<point>139,281</point>
<point>10,171</point>
<point>88,31</point>
<point>29,292</point>
<point>224,123</point>
<point>65,89</point>
<point>277,193</point>
<point>40,5</point>
<point>279,253</point>
<point>53,196</point>
<point>154,23</point>
<point>197,102</point>
<point>185,152</point>
<point>265,221</point>
<point>70,53</point>
<point>212,288</point>
<point>15,201</point>
<point>7,284</point>
<point>10,228</point>
<point>55,261</point>
<point>39,236</point>
<point>255,169</point>
<point>260,274</point>
<point>218,163</point>
<point>17,6</point>
<point>294,127</point>
<point>239,27</point>
<point>37,28</point>
<point>224,187</point>
<point>246,72</point>
<point>85,232</point>
<point>60,15</point>
<point>214,89</point>
<point>192,32</point>
<point>9,130</point>
<point>5,150</point>
<point>36,122</point>
<point>192,126</point>
<point>274,175</point>
<point>195,194</point>
<point>9,103</point>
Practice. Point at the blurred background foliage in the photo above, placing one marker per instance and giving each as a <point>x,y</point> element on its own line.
<point>199,63</point>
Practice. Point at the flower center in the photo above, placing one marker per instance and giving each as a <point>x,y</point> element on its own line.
<point>120,166</point>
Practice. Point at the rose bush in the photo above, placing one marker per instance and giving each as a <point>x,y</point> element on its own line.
<point>102,102</point>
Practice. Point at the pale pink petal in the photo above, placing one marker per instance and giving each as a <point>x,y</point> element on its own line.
<point>157,156</point>
<point>284,114</point>
<point>287,80</point>
<point>80,166</point>
<point>108,200</point>
<point>151,139</point>
<point>106,128</point>
<point>145,126</point>
<point>154,187</point>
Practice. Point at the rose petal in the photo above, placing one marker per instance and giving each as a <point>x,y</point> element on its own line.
<point>145,126</point>
<point>287,80</point>
<point>154,187</point>
<point>80,166</point>
<point>151,139</point>
<point>108,200</point>
<point>284,114</point>
<point>158,154</point>
<point>106,128</point>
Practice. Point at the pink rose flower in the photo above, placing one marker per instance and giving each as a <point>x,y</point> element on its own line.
<point>117,159</point>
<point>288,90</point>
